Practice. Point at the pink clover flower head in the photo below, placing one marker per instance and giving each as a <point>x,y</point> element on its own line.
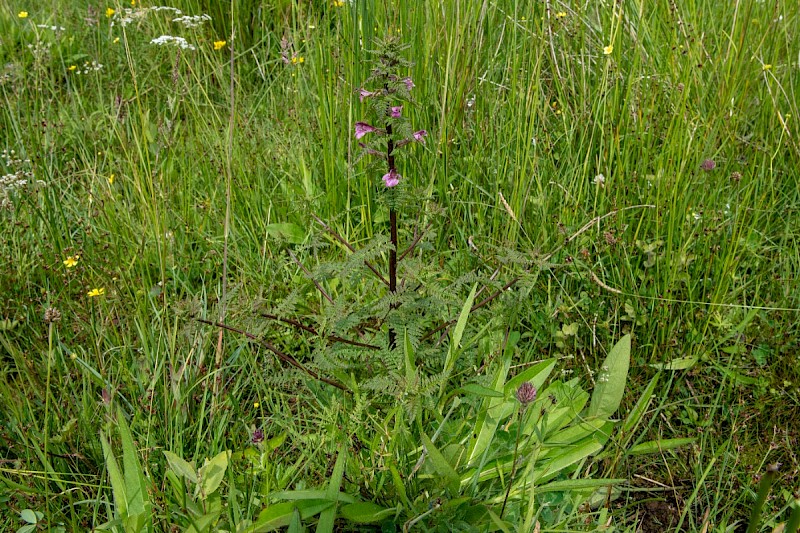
<point>409,83</point>
<point>396,111</point>
<point>708,165</point>
<point>526,393</point>
<point>362,128</point>
<point>391,178</point>
<point>363,93</point>
<point>420,135</point>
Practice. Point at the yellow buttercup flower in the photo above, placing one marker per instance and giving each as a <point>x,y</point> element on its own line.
<point>111,179</point>
<point>96,292</point>
<point>766,66</point>
<point>116,40</point>
<point>256,404</point>
<point>219,44</point>
<point>110,12</point>
<point>607,50</point>
<point>22,14</point>
<point>71,68</point>
<point>338,3</point>
<point>71,261</point>
<point>296,60</point>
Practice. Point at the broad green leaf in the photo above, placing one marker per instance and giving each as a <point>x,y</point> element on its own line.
<point>441,465</point>
<point>210,475</point>
<point>366,512</point>
<point>328,516</point>
<point>487,421</point>
<point>536,374</point>
<point>610,384</point>
<point>202,523</point>
<point>181,467</point>
<point>30,516</point>
<point>399,486</point>
<point>656,446</point>
<point>280,514</point>
<point>135,482</point>
<point>569,457</point>
<point>115,477</point>
<point>291,233</point>
<point>577,484</point>
<point>276,442</point>
<point>311,495</point>
<point>296,525</point>
<point>480,390</point>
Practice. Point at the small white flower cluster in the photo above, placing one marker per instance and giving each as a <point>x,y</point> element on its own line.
<point>87,67</point>
<point>170,39</point>
<point>600,180</point>
<point>126,15</point>
<point>190,21</point>
<point>51,28</point>
<point>12,182</point>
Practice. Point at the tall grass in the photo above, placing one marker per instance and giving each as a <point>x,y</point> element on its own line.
<point>525,110</point>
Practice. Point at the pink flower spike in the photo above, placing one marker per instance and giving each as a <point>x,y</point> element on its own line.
<point>363,93</point>
<point>396,110</point>
<point>362,128</point>
<point>409,83</point>
<point>420,135</point>
<point>392,178</point>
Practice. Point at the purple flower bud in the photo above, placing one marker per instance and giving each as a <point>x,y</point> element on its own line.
<point>708,165</point>
<point>409,83</point>
<point>258,436</point>
<point>526,393</point>
<point>362,128</point>
<point>363,93</point>
<point>396,110</point>
<point>420,135</point>
<point>392,178</point>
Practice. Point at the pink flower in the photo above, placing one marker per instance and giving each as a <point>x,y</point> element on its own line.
<point>362,128</point>
<point>396,110</point>
<point>392,178</point>
<point>363,93</point>
<point>409,83</point>
<point>420,135</point>
<point>708,165</point>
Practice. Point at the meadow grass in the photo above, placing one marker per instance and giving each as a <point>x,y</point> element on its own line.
<point>670,128</point>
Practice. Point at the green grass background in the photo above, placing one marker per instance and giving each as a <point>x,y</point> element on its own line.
<point>520,101</point>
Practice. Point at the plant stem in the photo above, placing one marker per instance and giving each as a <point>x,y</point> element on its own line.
<point>393,236</point>
<point>514,463</point>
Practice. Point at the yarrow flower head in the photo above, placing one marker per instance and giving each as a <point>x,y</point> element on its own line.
<point>396,111</point>
<point>391,178</point>
<point>526,393</point>
<point>362,128</point>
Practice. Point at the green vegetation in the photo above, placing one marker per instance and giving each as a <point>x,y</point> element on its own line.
<point>619,177</point>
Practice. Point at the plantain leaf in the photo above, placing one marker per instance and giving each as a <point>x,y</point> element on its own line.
<point>610,385</point>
